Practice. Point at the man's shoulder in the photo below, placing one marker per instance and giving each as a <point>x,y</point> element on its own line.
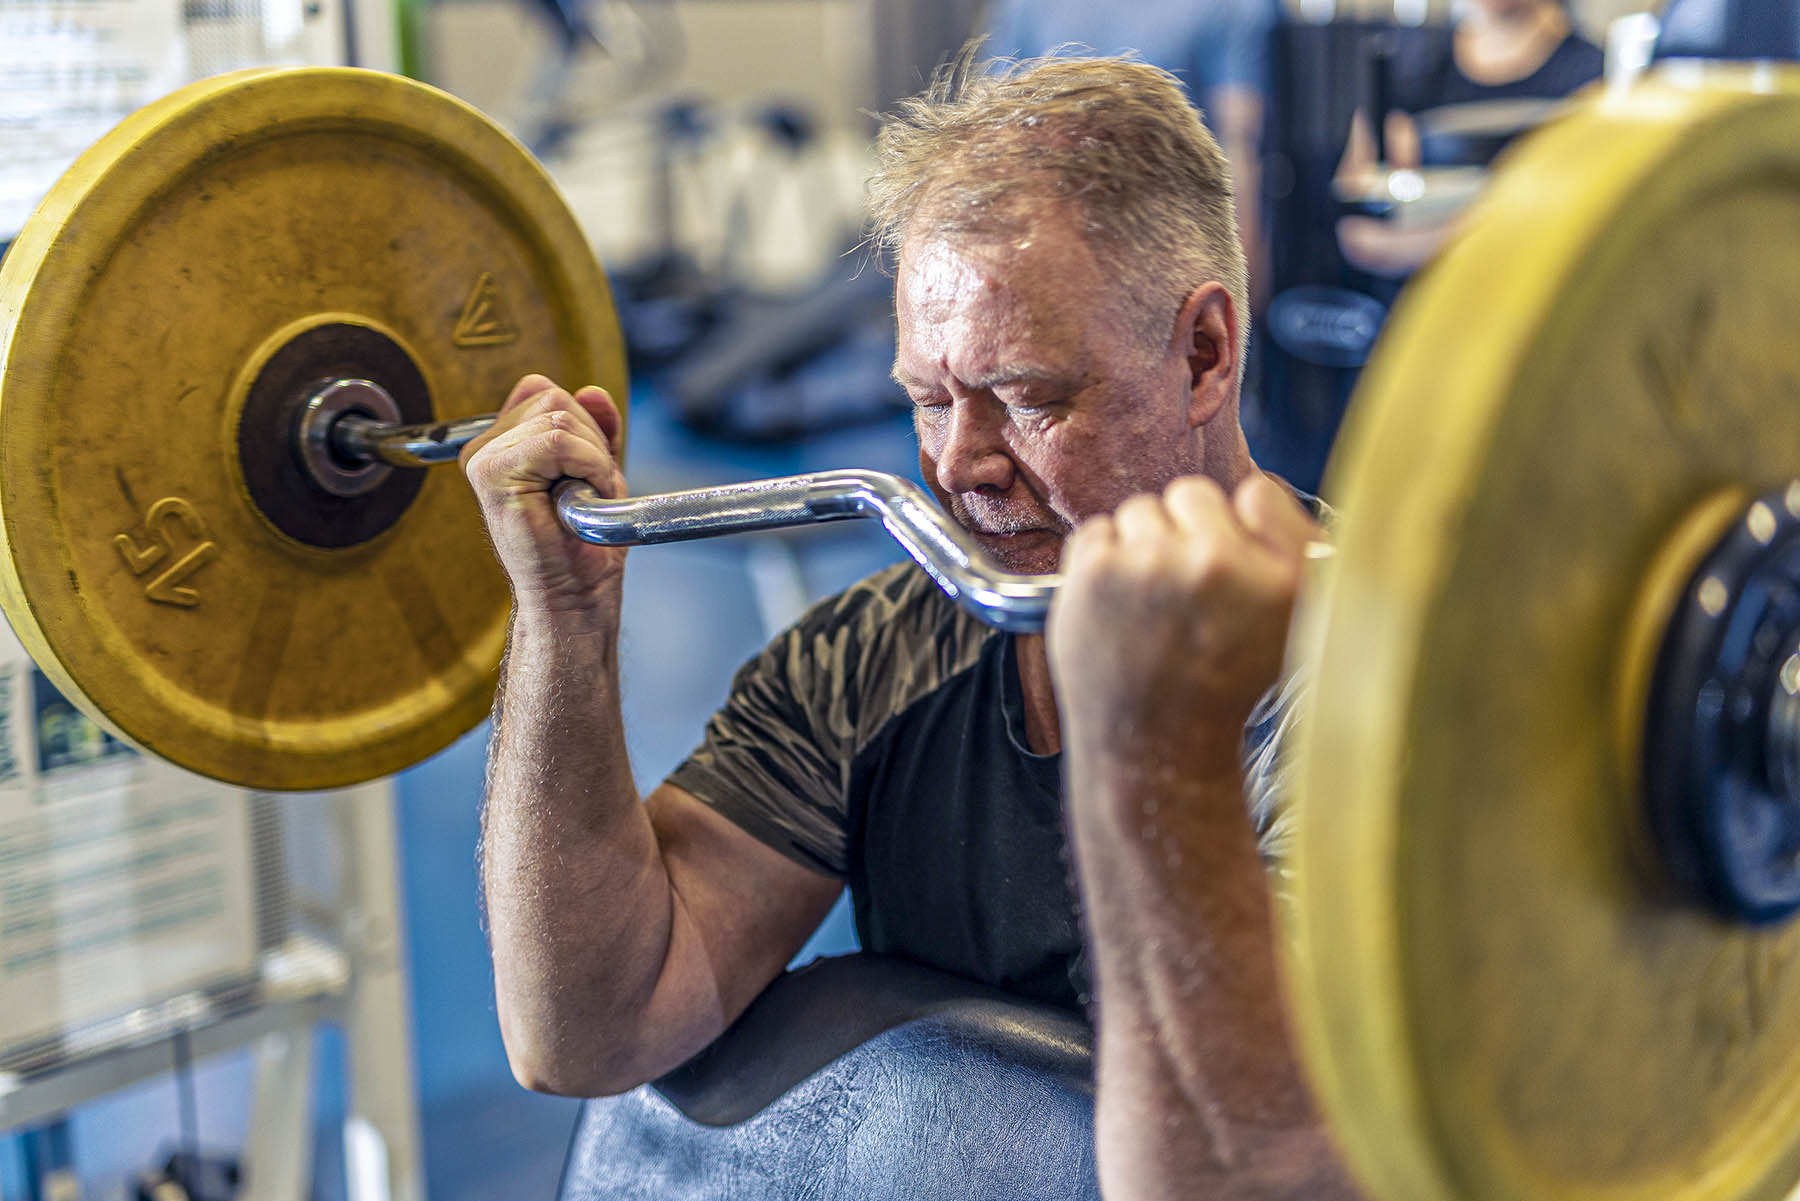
<point>898,587</point>
<point>892,605</point>
<point>883,643</point>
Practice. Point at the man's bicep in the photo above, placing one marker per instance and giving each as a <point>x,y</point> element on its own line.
<point>751,908</point>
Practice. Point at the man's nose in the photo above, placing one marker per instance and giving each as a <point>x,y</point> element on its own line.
<point>974,454</point>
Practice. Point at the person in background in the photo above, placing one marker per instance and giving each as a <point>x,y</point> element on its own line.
<point>1500,53</point>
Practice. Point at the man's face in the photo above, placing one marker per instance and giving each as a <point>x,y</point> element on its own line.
<point>1036,405</point>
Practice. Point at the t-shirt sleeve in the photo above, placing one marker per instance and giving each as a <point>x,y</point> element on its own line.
<point>1268,772</point>
<point>1269,746</point>
<point>775,758</point>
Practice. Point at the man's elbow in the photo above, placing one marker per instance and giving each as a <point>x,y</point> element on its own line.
<point>560,1080</point>
<point>569,1054</point>
<point>544,1068</point>
<point>569,1037</point>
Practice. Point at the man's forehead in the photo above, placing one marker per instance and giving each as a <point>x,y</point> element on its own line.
<point>1037,277</point>
<point>992,311</point>
<point>1044,237</point>
<point>938,274</point>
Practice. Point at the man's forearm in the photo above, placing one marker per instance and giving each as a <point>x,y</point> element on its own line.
<point>580,913</point>
<point>1200,1092</point>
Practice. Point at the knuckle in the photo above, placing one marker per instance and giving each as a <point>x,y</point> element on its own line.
<point>1195,488</point>
<point>1207,553</point>
<point>1139,506</point>
<point>480,463</point>
<point>1084,562</point>
<point>549,399</point>
<point>545,395</point>
<point>559,441</point>
<point>1089,538</point>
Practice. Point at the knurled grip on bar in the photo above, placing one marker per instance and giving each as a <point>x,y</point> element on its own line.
<point>946,551</point>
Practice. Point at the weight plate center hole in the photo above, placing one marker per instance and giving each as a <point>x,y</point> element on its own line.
<point>323,457</point>
<point>295,467</point>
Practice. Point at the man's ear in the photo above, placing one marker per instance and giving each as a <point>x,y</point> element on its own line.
<point>1206,337</point>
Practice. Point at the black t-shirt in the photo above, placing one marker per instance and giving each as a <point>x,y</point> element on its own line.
<point>882,740</point>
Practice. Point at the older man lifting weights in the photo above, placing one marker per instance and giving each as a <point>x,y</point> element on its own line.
<point>1057,815</point>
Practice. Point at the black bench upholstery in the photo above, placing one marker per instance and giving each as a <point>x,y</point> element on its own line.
<point>864,1078</point>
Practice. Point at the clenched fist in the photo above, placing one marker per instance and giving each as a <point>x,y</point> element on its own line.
<point>1172,621</point>
<point>544,434</point>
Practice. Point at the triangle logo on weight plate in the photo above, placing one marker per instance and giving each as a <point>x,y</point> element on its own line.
<point>484,320</point>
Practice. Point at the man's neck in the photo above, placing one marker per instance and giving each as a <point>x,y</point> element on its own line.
<point>1043,729</point>
<point>1225,458</point>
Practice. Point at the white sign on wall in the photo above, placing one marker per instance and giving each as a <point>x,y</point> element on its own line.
<point>69,71</point>
<point>123,881</point>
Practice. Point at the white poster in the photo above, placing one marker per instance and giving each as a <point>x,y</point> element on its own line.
<point>69,71</point>
<point>123,881</point>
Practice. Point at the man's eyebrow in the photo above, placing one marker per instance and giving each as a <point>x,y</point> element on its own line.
<point>992,379</point>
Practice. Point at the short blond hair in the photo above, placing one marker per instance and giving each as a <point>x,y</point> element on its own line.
<point>1114,138</point>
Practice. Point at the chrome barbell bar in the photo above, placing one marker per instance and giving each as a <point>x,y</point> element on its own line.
<point>947,552</point>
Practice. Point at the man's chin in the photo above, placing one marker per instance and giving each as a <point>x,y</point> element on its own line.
<point>1029,552</point>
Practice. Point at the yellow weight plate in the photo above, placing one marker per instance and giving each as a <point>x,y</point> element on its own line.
<point>1498,995</point>
<point>191,274</point>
